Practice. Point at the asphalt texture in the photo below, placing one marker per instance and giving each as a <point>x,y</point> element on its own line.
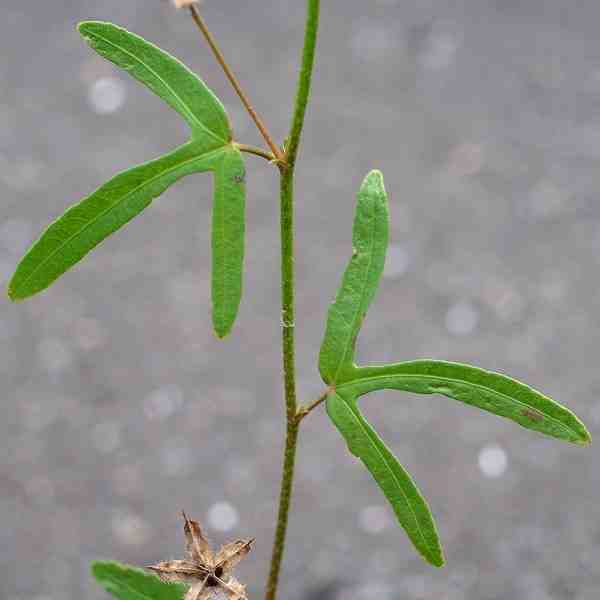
<point>119,405</point>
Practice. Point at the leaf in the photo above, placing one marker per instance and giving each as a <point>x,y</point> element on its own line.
<point>128,583</point>
<point>85,225</point>
<point>165,76</point>
<point>487,390</point>
<point>360,281</point>
<point>228,239</point>
<point>493,392</point>
<point>396,484</point>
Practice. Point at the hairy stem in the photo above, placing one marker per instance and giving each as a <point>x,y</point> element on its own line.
<point>289,371</point>
<point>203,27</point>
<point>287,290</point>
<point>285,498</point>
<point>304,80</point>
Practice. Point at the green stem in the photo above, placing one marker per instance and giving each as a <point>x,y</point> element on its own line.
<point>304,80</point>
<point>287,290</point>
<point>291,443</point>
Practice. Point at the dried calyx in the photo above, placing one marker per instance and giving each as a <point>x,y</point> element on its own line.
<point>206,572</point>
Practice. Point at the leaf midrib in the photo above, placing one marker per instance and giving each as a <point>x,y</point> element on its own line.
<point>461,381</point>
<point>223,243</point>
<point>382,456</point>
<point>112,207</point>
<point>186,108</point>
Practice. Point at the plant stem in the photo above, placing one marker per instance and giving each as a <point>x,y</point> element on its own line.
<point>289,371</point>
<point>287,290</point>
<point>203,27</point>
<point>304,80</point>
<point>285,497</point>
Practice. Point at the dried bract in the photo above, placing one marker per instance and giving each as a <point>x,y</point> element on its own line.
<point>204,571</point>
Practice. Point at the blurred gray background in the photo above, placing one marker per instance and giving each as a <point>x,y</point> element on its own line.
<point>120,407</point>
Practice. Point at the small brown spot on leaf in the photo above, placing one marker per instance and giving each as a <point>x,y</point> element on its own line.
<point>532,414</point>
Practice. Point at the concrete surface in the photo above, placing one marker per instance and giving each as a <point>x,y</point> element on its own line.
<point>120,407</point>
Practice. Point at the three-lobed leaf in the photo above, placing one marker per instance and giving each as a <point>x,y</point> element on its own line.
<point>128,583</point>
<point>83,226</point>
<point>336,364</point>
<point>493,392</point>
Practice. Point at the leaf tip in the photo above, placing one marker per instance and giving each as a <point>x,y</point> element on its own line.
<point>585,438</point>
<point>374,181</point>
<point>438,559</point>
<point>433,552</point>
<point>375,175</point>
<point>12,292</point>
<point>87,29</point>
<point>97,566</point>
<point>83,27</point>
<point>580,434</point>
<point>222,330</point>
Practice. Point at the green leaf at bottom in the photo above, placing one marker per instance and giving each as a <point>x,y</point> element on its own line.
<point>128,583</point>
<point>409,505</point>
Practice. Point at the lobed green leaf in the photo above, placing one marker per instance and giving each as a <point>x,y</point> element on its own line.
<point>128,583</point>
<point>167,77</point>
<point>396,484</point>
<point>489,391</point>
<point>493,392</point>
<point>86,224</point>
<point>360,281</point>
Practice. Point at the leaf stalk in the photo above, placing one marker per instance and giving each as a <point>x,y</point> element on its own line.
<point>212,42</point>
<point>249,149</point>
<point>305,410</point>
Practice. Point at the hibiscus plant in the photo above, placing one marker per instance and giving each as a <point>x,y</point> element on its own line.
<point>212,148</point>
